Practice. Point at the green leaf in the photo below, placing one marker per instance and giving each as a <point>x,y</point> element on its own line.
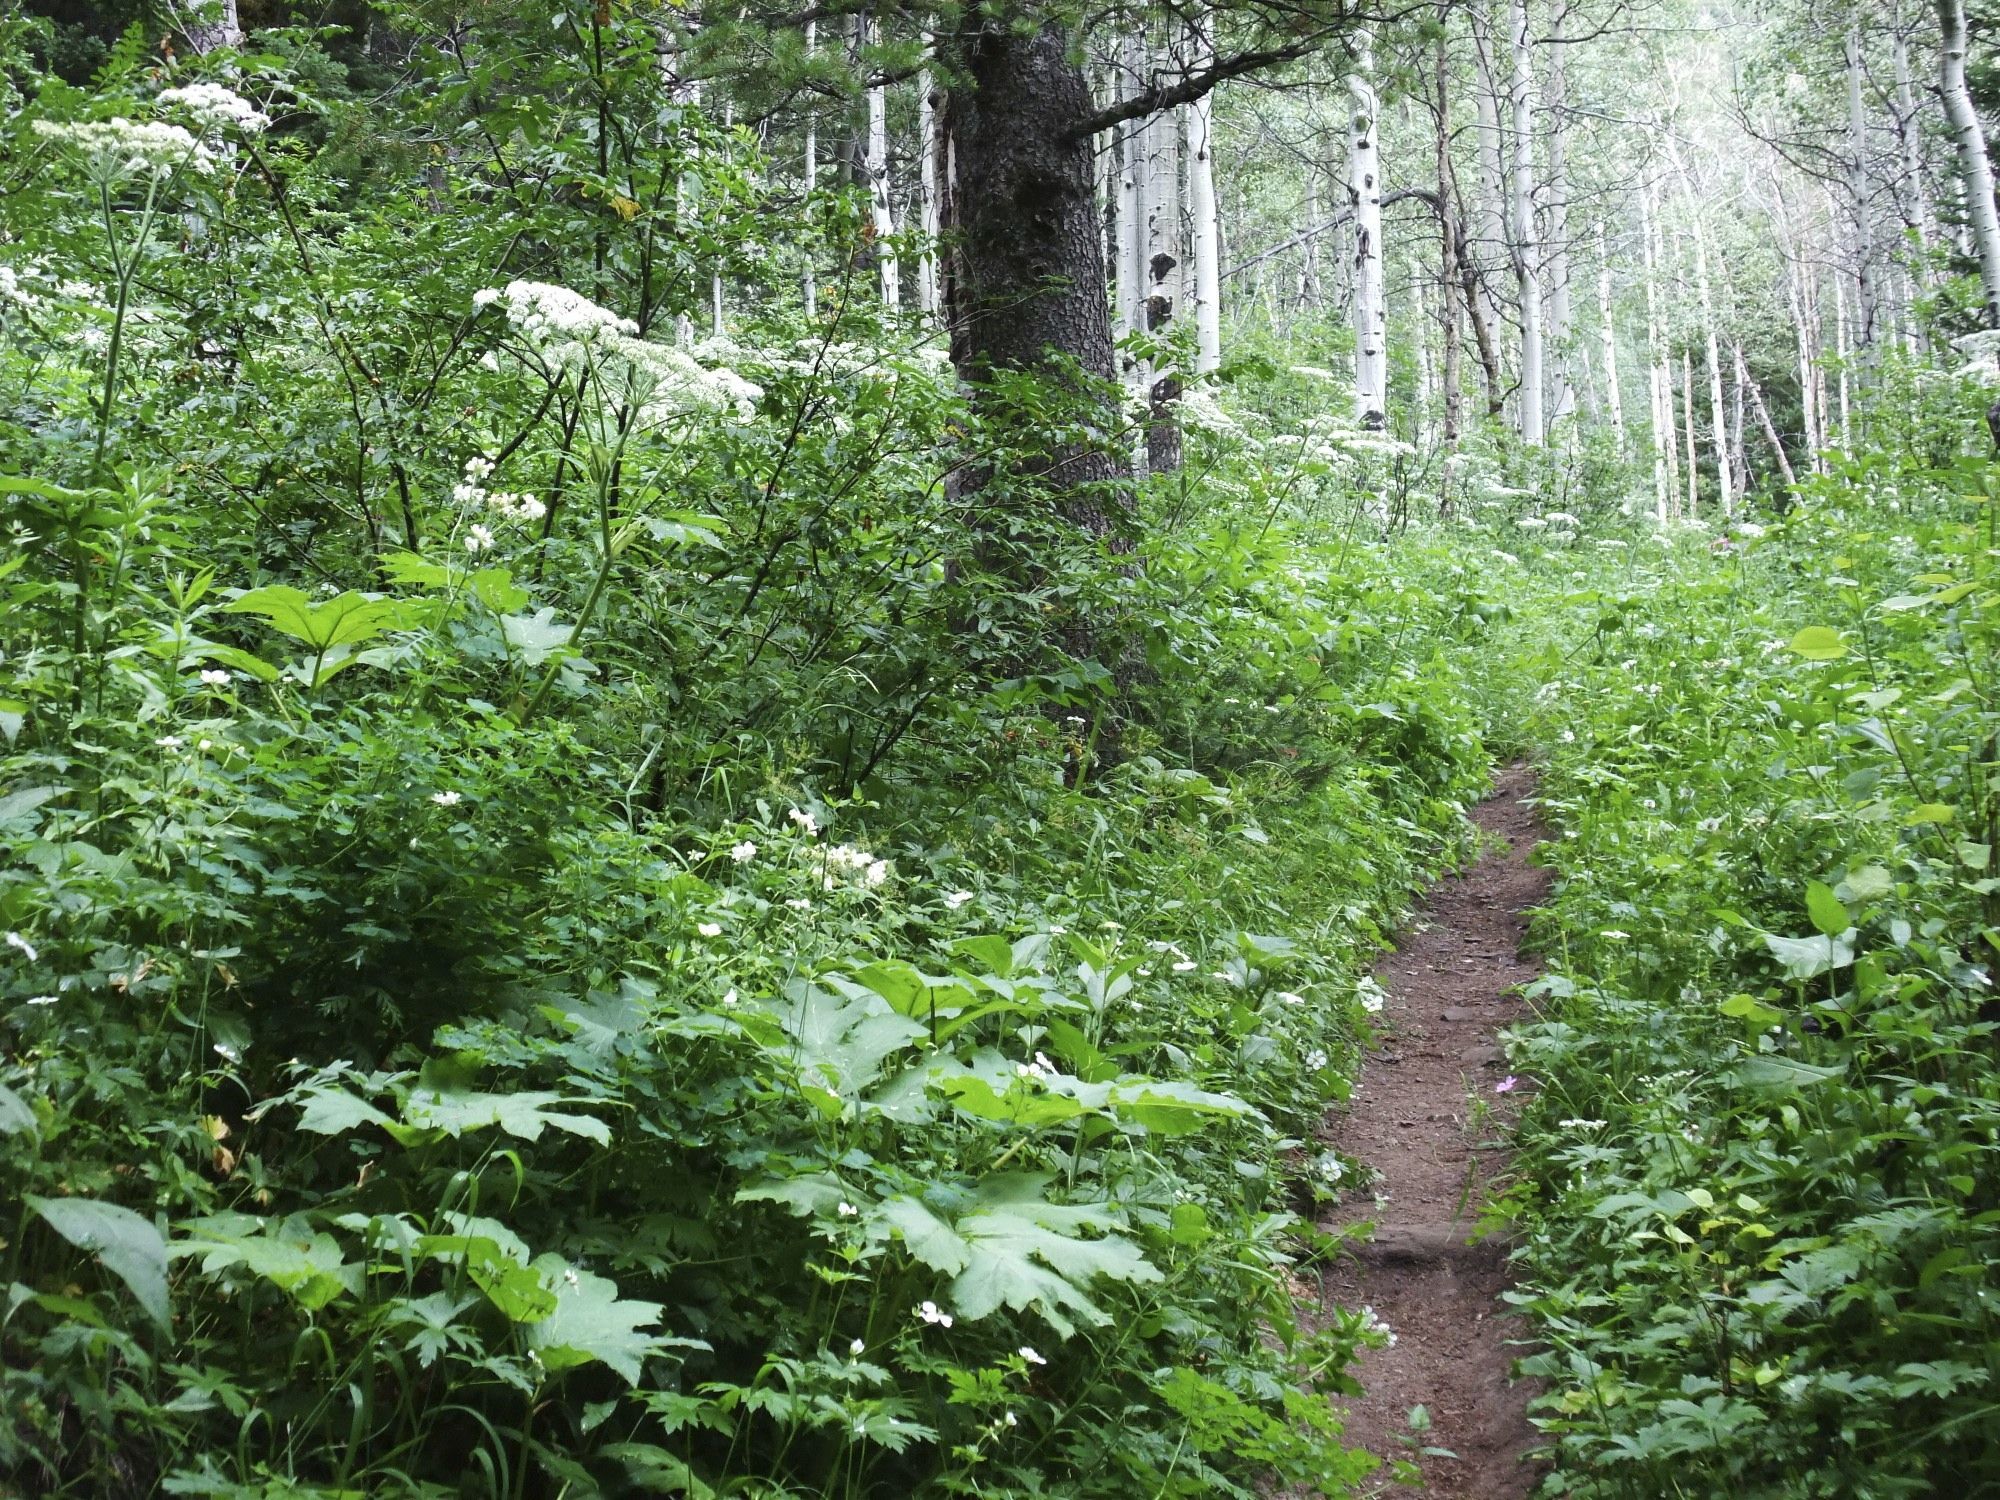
<point>16,1116</point>
<point>334,1111</point>
<point>126,1245</point>
<point>1819,643</point>
<point>591,1322</point>
<point>536,637</point>
<point>16,806</point>
<point>929,1239</point>
<point>1807,958</point>
<point>1780,1073</point>
<point>242,661</point>
<point>1827,914</point>
<point>843,1039</point>
<point>1025,1252</point>
<point>523,1115</point>
<point>519,1293</point>
<point>305,1264</point>
<point>1929,812</point>
<point>344,620</point>
<point>1746,1008</point>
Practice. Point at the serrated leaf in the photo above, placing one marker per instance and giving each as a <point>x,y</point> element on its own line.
<point>524,1115</point>
<point>591,1322</point>
<point>333,1111</point>
<point>930,1240</point>
<point>126,1245</point>
<point>844,1040</point>
<point>346,619</point>
<point>16,1117</point>
<point>18,804</point>
<point>536,637</point>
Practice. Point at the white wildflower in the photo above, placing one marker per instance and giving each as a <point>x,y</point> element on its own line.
<point>847,1211</point>
<point>709,929</point>
<point>930,1312</point>
<point>1286,997</point>
<point>169,742</point>
<point>955,899</point>
<point>805,820</point>
<point>217,108</point>
<point>123,148</point>
<point>1027,1352</point>
<point>1316,1060</point>
<point>15,940</point>
<point>856,1348</point>
<point>478,539</point>
<point>214,677</point>
<point>743,853</point>
<point>446,799</point>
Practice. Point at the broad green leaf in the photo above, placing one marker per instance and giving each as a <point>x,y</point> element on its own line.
<point>536,637</point>
<point>334,1111</point>
<point>808,1193</point>
<point>1819,643</point>
<point>346,619</point>
<point>989,951</point>
<point>591,1322</point>
<point>16,1116</point>
<point>518,1292</point>
<point>1024,1252</point>
<point>126,1245</point>
<point>1174,1108</point>
<point>1929,812</point>
<point>524,1115</point>
<point>305,1264</point>
<point>1780,1073</point>
<point>17,805</point>
<point>844,1040</point>
<point>930,1240</point>
<point>240,660</point>
<point>1869,883</point>
<point>1808,957</point>
<point>1827,914</point>
<point>1747,1008</point>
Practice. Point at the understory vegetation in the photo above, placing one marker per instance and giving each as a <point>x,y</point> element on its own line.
<point>607,895</point>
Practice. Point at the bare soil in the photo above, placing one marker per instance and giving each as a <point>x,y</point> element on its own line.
<point>1425,1115</point>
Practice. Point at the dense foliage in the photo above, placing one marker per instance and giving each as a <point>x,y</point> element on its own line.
<point>574,925</point>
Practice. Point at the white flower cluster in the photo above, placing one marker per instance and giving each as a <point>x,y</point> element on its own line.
<point>472,493</point>
<point>121,147</point>
<point>217,108</point>
<point>1037,1071</point>
<point>931,1313</point>
<point>847,865</point>
<point>563,325</point>
<point>13,292</point>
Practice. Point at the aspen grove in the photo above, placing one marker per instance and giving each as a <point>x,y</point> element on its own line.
<point>715,720</point>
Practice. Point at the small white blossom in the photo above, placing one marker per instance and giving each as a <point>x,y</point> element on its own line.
<point>955,899</point>
<point>1030,1356</point>
<point>121,148</point>
<point>15,940</point>
<point>478,539</point>
<point>446,799</point>
<point>215,107</point>
<point>847,1211</point>
<point>214,677</point>
<point>709,929</point>
<point>806,821</point>
<point>743,853</point>
<point>930,1312</point>
<point>856,1349</point>
<point>169,742</point>
<point>1315,1060</point>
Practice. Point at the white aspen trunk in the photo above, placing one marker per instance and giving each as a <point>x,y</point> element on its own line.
<point>1866,309</point>
<point>1426,375</point>
<point>1659,381</point>
<point>809,283</point>
<point>687,95</point>
<point>1489,222</point>
<point>222,29</point>
<point>1916,190</point>
<point>1725,487</point>
<point>1693,463</point>
<point>1556,260</point>
<point>1309,252</point>
<point>716,325</point>
<point>1841,349</point>
<point>1131,203</point>
<point>1207,228</point>
<point>1527,253</point>
<point>875,164</point>
<point>927,189</point>
<point>1975,168</point>
<point>1744,382</point>
<point>1614,399</point>
<point>1370,308</point>
<point>1821,400</point>
<point>1163,221</point>
<point>1808,380</point>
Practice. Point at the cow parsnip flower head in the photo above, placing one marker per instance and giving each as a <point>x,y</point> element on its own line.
<point>217,108</point>
<point>131,148</point>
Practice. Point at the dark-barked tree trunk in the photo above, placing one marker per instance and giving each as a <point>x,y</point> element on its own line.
<point>1024,257</point>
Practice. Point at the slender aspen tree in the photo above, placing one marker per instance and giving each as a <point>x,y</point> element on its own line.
<point>1527,250</point>
<point>927,188</point>
<point>1867,297</point>
<point>1744,383</point>
<point>1490,239</point>
<point>1556,258</point>
<point>1659,380</point>
<point>1693,463</point>
<point>1370,307</point>
<point>1420,346</point>
<point>1975,168</point>
<point>809,282</point>
<point>1309,291</point>
<point>875,165</point>
<point>1918,209</point>
<point>1131,200</point>
<point>1809,385</point>
<point>1842,348</point>
<point>1614,401</point>
<point>223,29</point>
<point>1207,227</point>
<point>1448,269</point>
<point>1725,487</point>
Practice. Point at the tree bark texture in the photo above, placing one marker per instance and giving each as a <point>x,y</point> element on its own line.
<point>1024,264</point>
<point>1975,168</point>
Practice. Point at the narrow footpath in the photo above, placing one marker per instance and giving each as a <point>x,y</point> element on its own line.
<point>1426,1115</point>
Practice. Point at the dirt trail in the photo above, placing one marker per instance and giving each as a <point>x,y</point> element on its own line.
<point>1412,1119</point>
